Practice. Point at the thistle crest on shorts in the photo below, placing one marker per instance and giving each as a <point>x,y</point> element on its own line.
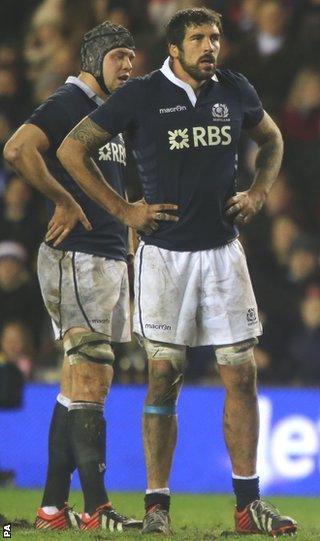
<point>251,316</point>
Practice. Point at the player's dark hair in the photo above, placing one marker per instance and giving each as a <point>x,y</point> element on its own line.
<point>178,24</point>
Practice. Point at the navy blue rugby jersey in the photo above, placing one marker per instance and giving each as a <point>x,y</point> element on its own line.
<point>185,148</point>
<point>56,117</point>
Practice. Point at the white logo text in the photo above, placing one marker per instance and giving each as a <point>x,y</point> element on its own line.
<point>200,137</point>
<point>113,152</point>
<point>176,109</point>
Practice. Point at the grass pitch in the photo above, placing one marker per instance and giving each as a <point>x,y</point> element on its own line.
<point>194,517</point>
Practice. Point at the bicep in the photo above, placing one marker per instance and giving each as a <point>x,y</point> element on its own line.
<point>88,136</point>
<point>265,130</point>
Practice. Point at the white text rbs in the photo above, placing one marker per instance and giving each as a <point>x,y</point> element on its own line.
<point>113,152</point>
<point>199,137</point>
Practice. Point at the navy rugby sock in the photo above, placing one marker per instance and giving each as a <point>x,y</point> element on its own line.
<point>246,491</point>
<point>88,437</point>
<point>61,462</point>
<point>156,498</point>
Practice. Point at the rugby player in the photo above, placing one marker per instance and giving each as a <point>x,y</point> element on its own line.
<point>82,272</point>
<point>192,284</point>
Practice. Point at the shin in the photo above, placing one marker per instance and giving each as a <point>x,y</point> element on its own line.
<point>159,420</point>
<point>241,416</point>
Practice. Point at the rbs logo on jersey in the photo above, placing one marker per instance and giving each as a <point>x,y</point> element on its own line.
<point>113,152</point>
<point>199,137</point>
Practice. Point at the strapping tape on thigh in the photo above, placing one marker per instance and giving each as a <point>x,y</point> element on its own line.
<point>161,350</point>
<point>236,354</point>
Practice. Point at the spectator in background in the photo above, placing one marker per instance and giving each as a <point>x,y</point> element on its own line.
<point>303,263</point>
<point>301,113</point>
<point>8,56</point>
<point>19,293</point>
<point>274,216</point>
<point>305,28</point>
<point>283,232</point>
<point>12,24</point>
<point>280,300</point>
<point>6,127</point>
<point>100,9</point>
<point>11,385</point>
<point>267,57</point>
<point>18,220</point>
<point>12,98</point>
<point>52,44</point>
<point>281,199</point>
<point>16,347</point>
<point>303,351</point>
<point>301,128</point>
<point>245,15</point>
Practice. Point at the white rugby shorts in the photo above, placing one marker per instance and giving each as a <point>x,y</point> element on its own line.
<point>82,290</point>
<point>194,298</point>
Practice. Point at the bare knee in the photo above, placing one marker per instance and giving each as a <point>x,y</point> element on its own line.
<point>240,380</point>
<point>165,383</point>
<point>66,382</point>
<point>237,367</point>
<point>166,367</point>
<point>91,383</point>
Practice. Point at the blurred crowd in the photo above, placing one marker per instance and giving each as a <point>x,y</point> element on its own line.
<point>276,44</point>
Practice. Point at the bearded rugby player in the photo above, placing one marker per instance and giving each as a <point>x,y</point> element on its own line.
<point>192,284</point>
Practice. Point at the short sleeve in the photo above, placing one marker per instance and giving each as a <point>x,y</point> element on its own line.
<point>252,106</point>
<point>121,110</point>
<point>53,119</point>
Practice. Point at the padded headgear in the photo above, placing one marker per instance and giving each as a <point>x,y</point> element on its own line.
<point>98,42</point>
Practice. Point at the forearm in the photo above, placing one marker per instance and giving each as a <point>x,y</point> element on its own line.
<point>76,160</point>
<point>268,163</point>
<point>133,241</point>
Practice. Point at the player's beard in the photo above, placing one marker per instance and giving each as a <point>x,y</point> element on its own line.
<point>194,70</point>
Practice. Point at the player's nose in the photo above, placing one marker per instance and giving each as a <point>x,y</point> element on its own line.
<point>209,45</point>
<point>127,64</point>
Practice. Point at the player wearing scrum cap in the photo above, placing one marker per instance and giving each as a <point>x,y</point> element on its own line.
<point>82,272</point>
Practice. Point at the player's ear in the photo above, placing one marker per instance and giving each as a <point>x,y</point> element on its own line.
<point>173,50</point>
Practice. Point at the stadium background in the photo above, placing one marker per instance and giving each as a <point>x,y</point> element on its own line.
<point>276,44</point>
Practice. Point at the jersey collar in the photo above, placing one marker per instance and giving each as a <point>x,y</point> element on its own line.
<point>168,73</point>
<point>86,89</point>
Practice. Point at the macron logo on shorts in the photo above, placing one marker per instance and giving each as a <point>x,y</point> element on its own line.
<point>158,326</point>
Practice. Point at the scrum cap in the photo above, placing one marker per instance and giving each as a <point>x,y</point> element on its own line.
<point>98,42</point>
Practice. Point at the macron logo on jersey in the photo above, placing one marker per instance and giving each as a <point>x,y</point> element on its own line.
<point>113,152</point>
<point>176,109</point>
<point>199,137</point>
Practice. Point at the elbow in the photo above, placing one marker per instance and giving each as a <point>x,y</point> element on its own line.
<point>12,152</point>
<point>277,139</point>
